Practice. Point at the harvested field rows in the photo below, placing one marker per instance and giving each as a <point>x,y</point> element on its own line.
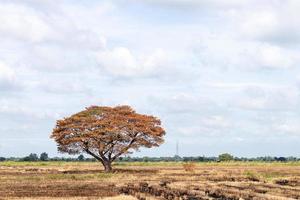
<point>149,181</point>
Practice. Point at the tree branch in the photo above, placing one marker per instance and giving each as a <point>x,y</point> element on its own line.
<point>126,148</point>
<point>86,149</point>
<point>94,155</point>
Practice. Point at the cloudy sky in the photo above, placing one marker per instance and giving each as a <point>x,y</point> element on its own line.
<point>223,76</point>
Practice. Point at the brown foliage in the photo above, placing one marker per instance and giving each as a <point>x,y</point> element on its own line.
<point>107,132</point>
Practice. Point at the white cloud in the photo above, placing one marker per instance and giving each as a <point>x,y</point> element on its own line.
<point>206,126</point>
<point>6,73</point>
<point>63,87</point>
<point>118,61</point>
<point>275,57</point>
<point>20,111</point>
<point>216,122</point>
<point>259,24</point>
<point>230,53</point>
<point>155,60</point>
<point>275,22</point>
<point>7,76</point>
<point>261,98</point>
<point>23,23</point>
<point>286,127</point>
<point>160,63</point>
<point>199,3</point>
<point>121,62</point>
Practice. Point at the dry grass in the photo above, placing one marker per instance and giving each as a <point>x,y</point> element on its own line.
<point>62,180</point>
<point>119,197</point>
<point>189,166</point>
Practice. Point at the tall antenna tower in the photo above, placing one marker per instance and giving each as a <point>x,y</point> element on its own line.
<point>177,149</point>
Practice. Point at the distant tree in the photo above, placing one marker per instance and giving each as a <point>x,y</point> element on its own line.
<point>80,157</point>
<point>225,157</point>
<point>120,159</point>
<point>281,159</point>
<point>291,158</point>
<point>146,159</point>
<point>2,159</point>
<point>31,157</point>
<point>107,133</point>
<point>44,157</point>
<point>200,158</point>
<point>266,158</point>
<point>177,158</point>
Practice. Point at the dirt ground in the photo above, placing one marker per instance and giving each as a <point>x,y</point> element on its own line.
<point>129,181</point>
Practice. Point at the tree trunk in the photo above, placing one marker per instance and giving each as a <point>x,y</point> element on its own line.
<point>107,166</point>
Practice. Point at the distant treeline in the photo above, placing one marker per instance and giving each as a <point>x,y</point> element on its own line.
<point>223,157</point>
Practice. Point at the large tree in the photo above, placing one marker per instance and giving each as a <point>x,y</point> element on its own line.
<point>107,132</point>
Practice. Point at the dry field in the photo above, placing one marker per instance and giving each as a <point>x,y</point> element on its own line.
<point>129,181</point>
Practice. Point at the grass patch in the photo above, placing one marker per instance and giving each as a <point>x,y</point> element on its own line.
<point>265,176</point>
<point>79,177</point>
<point>252,176</point>
<point>269,176</point>
<point>161,163</point>
<point>27,163</point>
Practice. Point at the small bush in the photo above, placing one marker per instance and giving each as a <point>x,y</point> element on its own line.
<point>189,166</point>
<point>252,176</point>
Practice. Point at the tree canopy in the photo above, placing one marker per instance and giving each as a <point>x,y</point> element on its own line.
<point>44,156</point>
<point>225,157</point>
<point>107,132</point>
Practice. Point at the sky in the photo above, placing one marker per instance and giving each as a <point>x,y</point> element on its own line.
<point>222,75</point>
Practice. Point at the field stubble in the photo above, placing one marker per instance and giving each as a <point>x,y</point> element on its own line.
<point>82,180</point>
